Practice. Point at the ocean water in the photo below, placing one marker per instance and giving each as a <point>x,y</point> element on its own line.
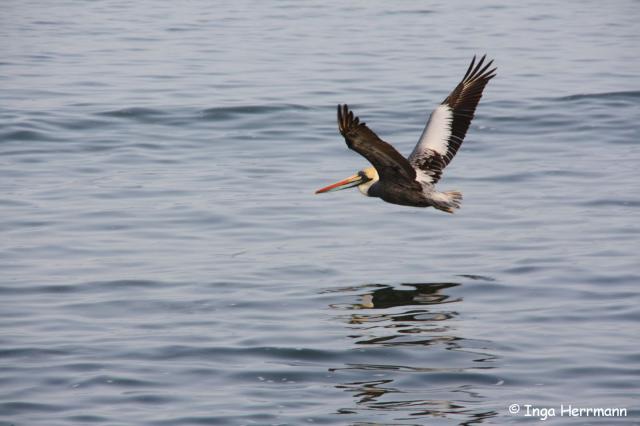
<point>165,261</point>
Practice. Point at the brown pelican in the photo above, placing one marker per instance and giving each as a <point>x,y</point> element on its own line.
<point>411,181</point>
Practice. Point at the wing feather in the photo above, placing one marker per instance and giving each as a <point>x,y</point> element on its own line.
<point>389,163</point>
<point>449,122</point>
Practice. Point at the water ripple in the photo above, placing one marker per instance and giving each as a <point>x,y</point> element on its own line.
<point>623,95</point>
<point>165,261</point>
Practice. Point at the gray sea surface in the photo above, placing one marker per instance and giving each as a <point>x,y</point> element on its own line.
<point>164,260</point>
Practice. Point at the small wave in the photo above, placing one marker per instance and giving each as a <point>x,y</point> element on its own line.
<point>53,23</point>
<point>118,381</point>
<point>26,135</point>
<point>611,202</point>
<point>90,287</point>
<point>23,407</point>
<point>81,124</point>
<point>179,29</point>
<point>174,352</point>
<point>220,113</point>
<point>510,177</point>
<point>32,352</point>
<point>410,12</point>
<point>152,115</point>
<point>633,94</point>
<point>136,113</point>
<point>477,277</point>
<point>87,418</point>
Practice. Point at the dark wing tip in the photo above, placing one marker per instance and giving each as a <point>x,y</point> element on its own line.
<point>346,120</point>
<point>479,71</point>
<point>473,61</point>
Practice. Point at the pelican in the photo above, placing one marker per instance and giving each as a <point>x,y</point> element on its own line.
<point>411,181</point>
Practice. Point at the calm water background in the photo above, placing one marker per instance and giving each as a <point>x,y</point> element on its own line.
<point>165,262</point>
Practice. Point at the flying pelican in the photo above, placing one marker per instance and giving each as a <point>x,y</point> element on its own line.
<point>411,182</point>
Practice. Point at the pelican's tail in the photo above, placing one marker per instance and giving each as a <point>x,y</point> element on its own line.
<point>447,201</point>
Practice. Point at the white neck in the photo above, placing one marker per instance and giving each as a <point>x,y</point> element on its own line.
<point>364,188</point>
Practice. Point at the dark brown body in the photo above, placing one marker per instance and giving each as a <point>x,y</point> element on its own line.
<point>405,195</point>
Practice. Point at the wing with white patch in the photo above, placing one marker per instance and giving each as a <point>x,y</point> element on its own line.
<point>449,122</point>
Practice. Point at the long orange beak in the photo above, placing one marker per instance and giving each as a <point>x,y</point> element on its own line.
<point>349,182</point>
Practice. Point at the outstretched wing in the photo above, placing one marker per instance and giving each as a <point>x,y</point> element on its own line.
<point>389,163</point>
<point>449,122</point>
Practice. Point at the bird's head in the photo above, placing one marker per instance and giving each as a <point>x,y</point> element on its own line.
<point>363,180</point>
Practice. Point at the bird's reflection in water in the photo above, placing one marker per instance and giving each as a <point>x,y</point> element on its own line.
<point>422,367</point>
